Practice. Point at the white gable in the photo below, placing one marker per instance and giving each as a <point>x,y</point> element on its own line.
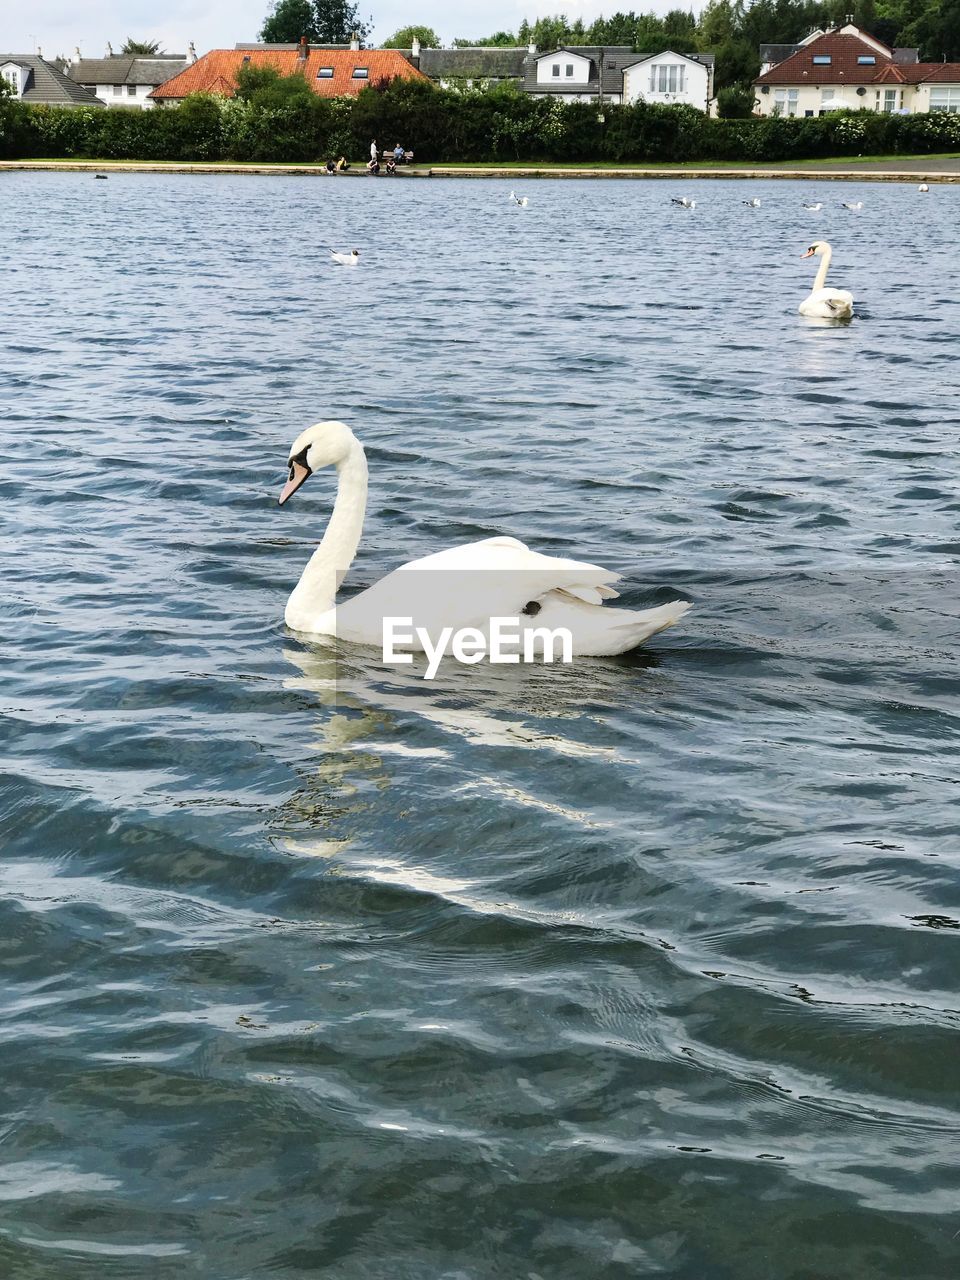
<point>15,74</point>
<point>563,67</point>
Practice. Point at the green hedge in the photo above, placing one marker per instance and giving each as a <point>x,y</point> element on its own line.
<point>443,125</point>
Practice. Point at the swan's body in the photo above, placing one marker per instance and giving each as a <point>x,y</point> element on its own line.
<point>684,202</point>
<point>814,208</point>
<point>923,187</point>
<point>464,586</point>
<point>853,205</point>
<point>753,204</point>
<point>522,201</point>
<point>827,304</point>
<point>346,259</point>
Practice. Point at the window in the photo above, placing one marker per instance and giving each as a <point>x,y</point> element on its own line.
<point>866,60</point>
<point>945,98</point>
<point>117,90</point>
<point>785,101</point>
<point>325,73</point>
<point>570,69</point>
<point>889,100</point>
<point>667,78</point>
<point>131,90</point>
<point>246,60</point>
<point>361,73</point>
<point>556,68</point>
<point>12,77</point>
<point>822,59</point>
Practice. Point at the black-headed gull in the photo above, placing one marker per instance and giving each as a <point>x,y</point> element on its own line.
<point>346,259</point>
<point>684,202</point>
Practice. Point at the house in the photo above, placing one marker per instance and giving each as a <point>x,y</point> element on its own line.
<point>848,69</point>
<point>575,74</point>
<point>331,72</point>
<point>471,68</point>
<point>670,78</point>
<point>123,80</point>
<point>34,80</point>
<point>584,73</point>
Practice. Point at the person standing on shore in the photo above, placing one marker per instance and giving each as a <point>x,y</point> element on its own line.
<point>373,151</point>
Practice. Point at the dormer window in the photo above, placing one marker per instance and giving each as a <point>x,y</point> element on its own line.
<point>822,59</point>
<point>866,60</point>
<point>12,77</point>
<point>325,73</point>
<point>361,73</point>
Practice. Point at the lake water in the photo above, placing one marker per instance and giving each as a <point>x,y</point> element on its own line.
<point>642,967</point>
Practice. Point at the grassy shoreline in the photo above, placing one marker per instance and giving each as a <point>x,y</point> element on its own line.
<point>905,168</point>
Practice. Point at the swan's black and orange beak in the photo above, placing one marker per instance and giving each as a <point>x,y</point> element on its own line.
<point>810,252</point>
<point>299,472</point>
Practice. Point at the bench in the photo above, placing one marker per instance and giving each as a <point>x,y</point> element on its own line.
<point>407,157</point>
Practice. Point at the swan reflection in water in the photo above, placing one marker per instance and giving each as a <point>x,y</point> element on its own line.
<point>377,722</point>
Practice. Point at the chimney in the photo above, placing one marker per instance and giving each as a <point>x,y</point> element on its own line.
<point>531,50</point>
<point>354,41</point>
<point>192,52</point>
<point>303,51</point>
<point>109,49</point>
<point>415,50</point>
<point>76,56</point>
<point>39,52</point>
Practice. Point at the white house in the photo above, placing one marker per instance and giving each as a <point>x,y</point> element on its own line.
<point>587,73</point>
<point>34,80</point>
<point>579,73</point>
<point>670,78</point>
<point>848,69</point>
<point>125,80</point>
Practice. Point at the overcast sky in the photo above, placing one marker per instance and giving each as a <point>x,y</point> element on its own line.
<point>56,26</point>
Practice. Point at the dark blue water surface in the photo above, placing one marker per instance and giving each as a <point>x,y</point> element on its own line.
<point>642,967</point>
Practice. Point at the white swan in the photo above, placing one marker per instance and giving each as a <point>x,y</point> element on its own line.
<point>522,201</point>
<point>814,208</point>
<point>923,187</point>
<point>853,205</point>
<point>346,259</point>
<point>461,587</point>
<point>833,304</point>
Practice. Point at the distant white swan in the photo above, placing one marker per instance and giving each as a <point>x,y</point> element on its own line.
<point>496,577</point>
<point>923,187</point>
<point>754,203</point>
<point>684,202</point>
<point>522,201</point>
<point>830,304</point>
<point>854,205</point>
<point>346,259</point>
<point>814,208</point>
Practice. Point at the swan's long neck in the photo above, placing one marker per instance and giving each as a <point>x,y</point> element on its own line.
<point>821,279</point>
<point>316,591</point>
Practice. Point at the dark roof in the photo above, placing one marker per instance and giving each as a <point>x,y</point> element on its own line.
<point>906,55</point>
<point>126,69</point>
<point>705,59</point>
<point>46,83</point>
<point>844,68</point>
<point>615,58</point>
<point>485,63</point>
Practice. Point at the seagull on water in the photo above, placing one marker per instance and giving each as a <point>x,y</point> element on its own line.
<point>923,187</point>
<point>346,259</point>
<point>684,202</point>
<point>814,208</point>
<point>752,204</point>
<point>522,201</point>
<point>854,205</point>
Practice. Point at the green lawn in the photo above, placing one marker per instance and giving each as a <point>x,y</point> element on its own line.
<point>839,161</point>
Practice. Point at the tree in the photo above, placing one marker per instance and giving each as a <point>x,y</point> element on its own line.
<point>321,21</point>
<point>734,103</point>
<point>266,87</point>
<point>499,40</point>
<point>404,38</point>
<point>142,48</point>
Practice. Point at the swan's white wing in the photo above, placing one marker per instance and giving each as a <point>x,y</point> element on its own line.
<point>465,586</point>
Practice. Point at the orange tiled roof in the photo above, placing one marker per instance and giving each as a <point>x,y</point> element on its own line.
<point>843,67</point>
<point>216,72</point>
